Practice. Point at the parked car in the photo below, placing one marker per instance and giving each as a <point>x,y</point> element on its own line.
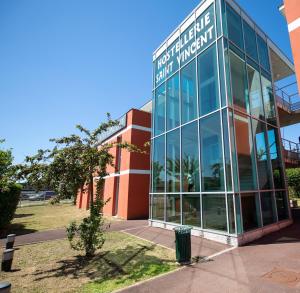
<point>44,195</point>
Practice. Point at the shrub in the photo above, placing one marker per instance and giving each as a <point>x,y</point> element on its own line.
<point>9,198</point>
<point>293,178</point>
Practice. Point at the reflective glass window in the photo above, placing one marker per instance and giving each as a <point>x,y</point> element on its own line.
<point>263,53</point>
<point>214,212</point>
<point>245,152</point>
<point>250,41</point>
<point>262,157</point>
<point>238,80</point>
<point>173,52</point>
<point>187,51</point>
<point>173,102</point>
<point>268,208</point>
<point>158,164</point>
<point>282,207</point>
<point>268,99</point>
<point>208,81</point>
<point>227,150</point>
<point>173,208</point>
<point>211,153</point>
<point>158,207</point>
<point>191,210</point>
<point>188,93</point>
<point>250,211</point>
<point>255,96</point>
<point>275,156</point>
<point>231,216</point>
<point>173,161</point>
<point>159,113</point>
<point>234,24</point>
<point>190,158</point>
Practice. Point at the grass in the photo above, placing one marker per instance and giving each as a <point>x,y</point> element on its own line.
<point>53,267</point>
<point>38,218</point>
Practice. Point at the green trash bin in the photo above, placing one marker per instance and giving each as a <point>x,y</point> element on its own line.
<point>183,244</point>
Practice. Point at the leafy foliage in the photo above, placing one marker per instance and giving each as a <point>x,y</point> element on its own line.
<point>293,178</point>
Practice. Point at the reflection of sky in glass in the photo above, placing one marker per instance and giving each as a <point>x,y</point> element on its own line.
<point>261,147</point>
<point>272,144</point>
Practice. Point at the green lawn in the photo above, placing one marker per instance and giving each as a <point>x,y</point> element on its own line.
<point>53,267</point>
<point>37,218</point>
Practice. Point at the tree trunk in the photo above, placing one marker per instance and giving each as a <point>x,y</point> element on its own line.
<point>91,192</point>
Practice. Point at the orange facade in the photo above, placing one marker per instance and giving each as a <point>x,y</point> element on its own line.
<point>127,185</point>
<point>292,14</point>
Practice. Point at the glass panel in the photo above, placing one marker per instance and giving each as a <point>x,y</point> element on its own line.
<point>173,54</point>
<point>263,53</point>
<point>234,23</point>
<point>173,161</point>
<point>233,151</point>
<point>188,92</point>
<point>262,157</point>
<point>214,212</point>
<point>275,155</point>
<point>245,152</point>
<point>208,81</point>
<point>239,227</point>
<point>190,158</point>
<point>250,41</point>
<point>254,87</point>
<point>211,153</point>
<point>160,69</point>
<point>222,72</point>
<point>158,164</point>
<point>159,114</point>
<point>281,203</point>
<point>250,210</point>
<point>173,102</point>
<point>191,210</point>
<point>187,51</point>
<point>268,100</point>
<point>238,80</point>
<point>227,71</point>
<point>267,208</point>
<point>230,205</point>
<point>226,150</point>
<point>173,208</point>
<point>158,207</point>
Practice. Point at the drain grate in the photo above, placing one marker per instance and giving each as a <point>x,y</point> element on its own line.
<point>283,276</point>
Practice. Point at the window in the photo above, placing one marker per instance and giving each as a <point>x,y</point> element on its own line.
<point>158,164</point>
<point>262,157</point>
<point>263,53</point>
<point>173,102</point>
<point>187,38</point>
<point>245,152</point>
<point>275,156</point>
<point>282,207</point>
<point>159,113</point>
<point>214,212</point>
<point>250,41</point>
<point>173,208</point>
<point>173,161</point>
<point>226,150</point>
<point>255,97</point>
<point>230,204</point>
<point>211,153</point>
<point>208,81</point>
<point>173,52</point>
<point>158,207</point>
<point>268,98</point>
<point>234,23</point>
<point>267,208</point>
<point>191,210</point>
<point>250,211</point>
<point>189,160</point>
<point>238,80</point>
<point>188,92</point>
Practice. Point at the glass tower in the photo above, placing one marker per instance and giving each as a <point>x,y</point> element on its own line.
<point>216,153</point>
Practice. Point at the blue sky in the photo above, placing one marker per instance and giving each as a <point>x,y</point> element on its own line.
<point>65,62</point>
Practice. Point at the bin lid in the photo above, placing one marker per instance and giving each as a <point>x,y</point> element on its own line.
<point>183,229</point>
<point>4,285</point>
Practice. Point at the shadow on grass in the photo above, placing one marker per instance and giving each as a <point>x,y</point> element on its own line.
<point>18,216</point>
<point>131,263</point>
<point>18,229</point>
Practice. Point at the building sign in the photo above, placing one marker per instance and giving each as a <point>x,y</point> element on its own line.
<point>195,38</point>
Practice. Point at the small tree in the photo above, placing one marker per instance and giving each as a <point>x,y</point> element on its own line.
<point>72,164</point>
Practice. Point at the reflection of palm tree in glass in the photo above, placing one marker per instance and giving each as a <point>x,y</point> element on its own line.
<point>190,171</point>
<point>173,173</point>
<point>157,168</point>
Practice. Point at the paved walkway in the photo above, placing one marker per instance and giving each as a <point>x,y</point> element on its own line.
<point>61,233</point>
<point>271,264</point>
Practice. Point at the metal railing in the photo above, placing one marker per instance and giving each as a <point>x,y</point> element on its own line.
<point>291,150</point>
<point>288,97</point>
